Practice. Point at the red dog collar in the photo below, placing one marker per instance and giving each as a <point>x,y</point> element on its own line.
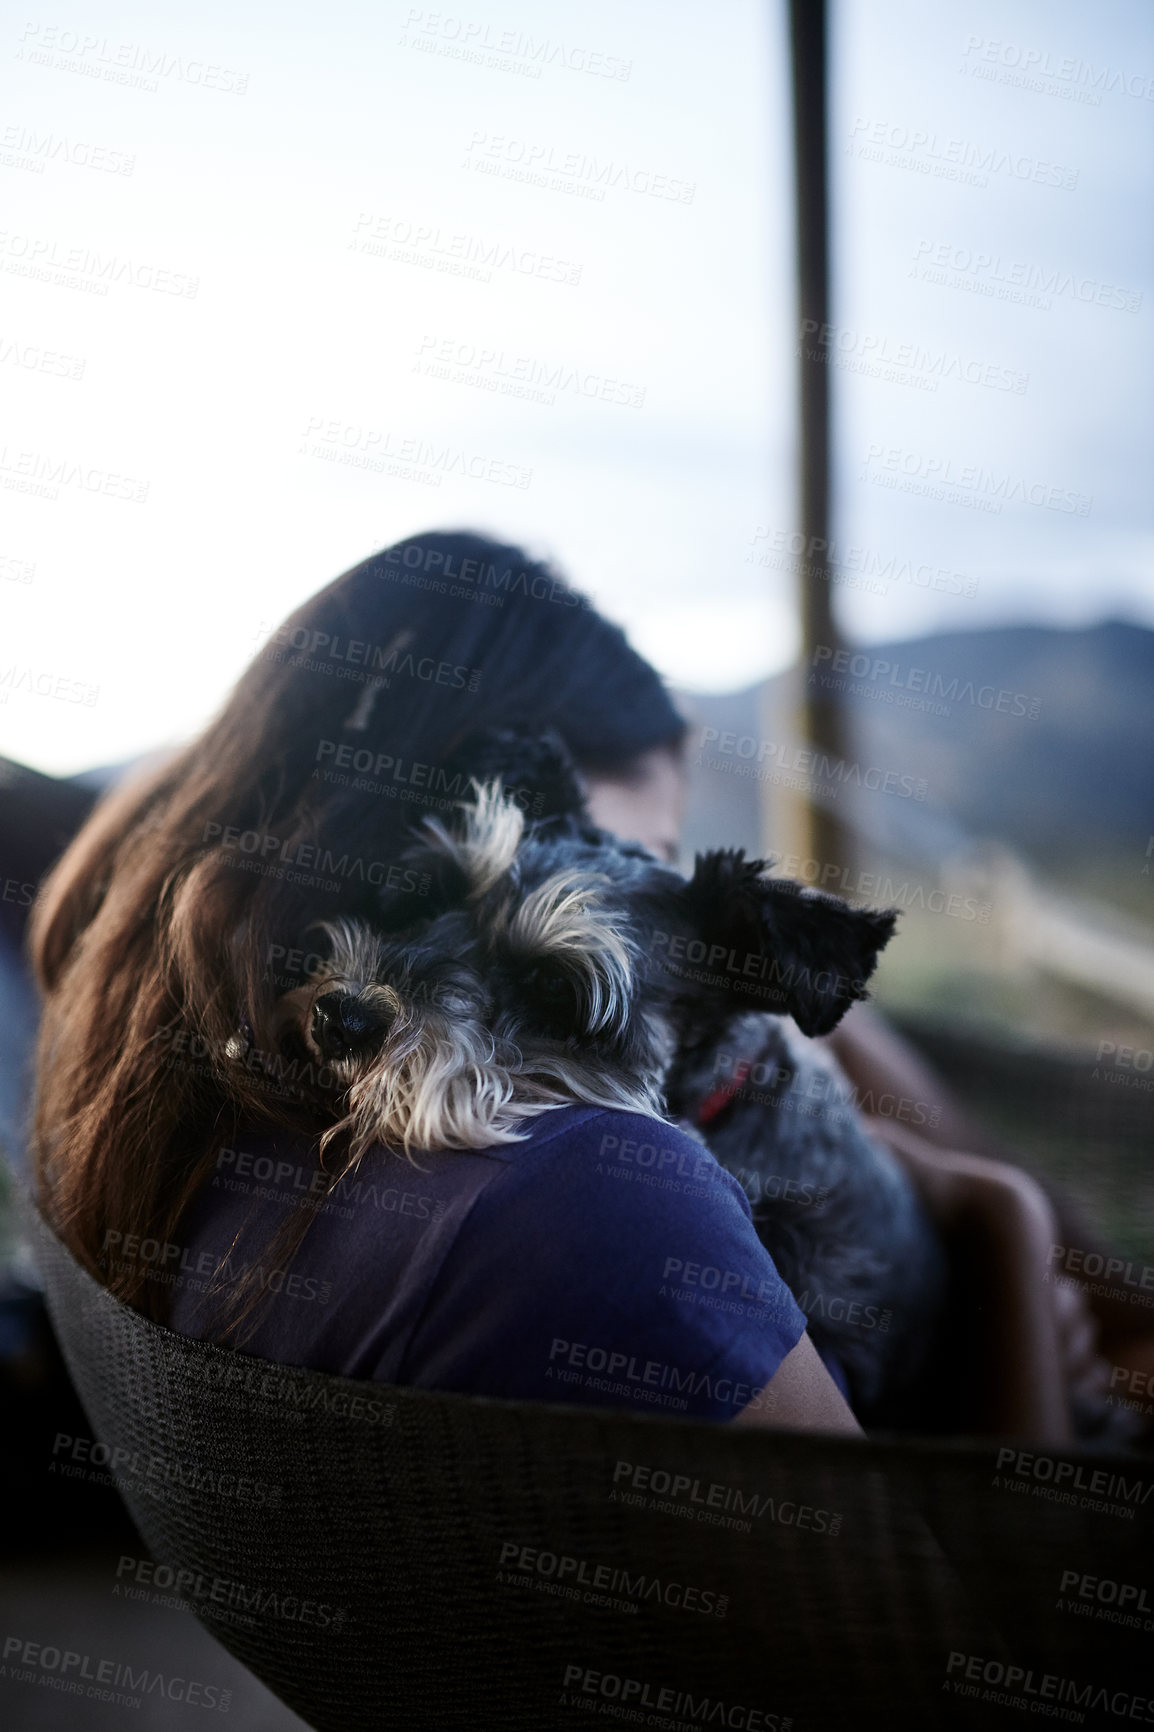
<point>715,1103</point>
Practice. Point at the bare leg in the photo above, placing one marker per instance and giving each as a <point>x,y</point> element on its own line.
<point>1002,1223</point>
<point>1105,1330</point>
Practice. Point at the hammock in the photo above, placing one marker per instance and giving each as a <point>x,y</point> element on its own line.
<point>382,1557</point>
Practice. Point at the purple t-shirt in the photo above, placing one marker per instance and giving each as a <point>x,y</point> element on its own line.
<point>608,1259</point>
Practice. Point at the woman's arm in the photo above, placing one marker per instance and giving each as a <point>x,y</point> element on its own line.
<point>880,1062</point>
<point>801,1396</point>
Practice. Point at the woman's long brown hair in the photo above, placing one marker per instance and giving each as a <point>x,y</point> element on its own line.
<point>153,939</point>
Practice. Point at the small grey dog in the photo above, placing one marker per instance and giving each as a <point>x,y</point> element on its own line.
<point>551,963</point>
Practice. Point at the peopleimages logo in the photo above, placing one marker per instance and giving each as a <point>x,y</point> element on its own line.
<point>127,63</point>
<point>66,1670</point>
<point>1017,280</point>
<point>191,1586</point>
<point>431,568</point>
<point>484,44</point>
<point>936,477</point>
<point>580,1683</point>
<point>155,1475</point>
<point>1106,1600</point>
<point>715,1503</point>
<point>929,153</point>
<point>263,845</point>
<point>544,164</point>
<point>529,1566</point>
<point>249,1383</point>
<point>205,1271</point>
<point>729,1283</point>
<point>803,763</point>
<point>47,253</point>
<point>37,148</point>
<point>1068,1482</point>
<point>1081,1268</point>
<point>382,773</point>
<point>407,457</point>
<point>763,976</point>
<point>821,1095</point>
<point>841,1310</point>
<point>525,376</point>
<point>650,1380</point>
<point>41,474</point>
<point>883,675</point>
<point>455,252</point>
<point>881,356</point>
<point>1040,63</point>
<point>31,358</point>
<point>856,567</point>
<point>1023,1688</point>
<point>329,652</point>
<point>40,684</point>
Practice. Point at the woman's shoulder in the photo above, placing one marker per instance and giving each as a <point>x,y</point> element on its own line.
<point>606,1183</point>
<point>605,1176</point>
<point>588,1142</point>
<point>610,1242</point>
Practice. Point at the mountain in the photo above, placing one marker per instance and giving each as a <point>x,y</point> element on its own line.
<point>1037,736</point>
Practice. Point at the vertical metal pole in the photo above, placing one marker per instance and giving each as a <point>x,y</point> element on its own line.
<point>820,715</point>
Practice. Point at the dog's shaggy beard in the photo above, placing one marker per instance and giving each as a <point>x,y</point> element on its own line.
<point>443,1081</point>
<point>441,1078</point>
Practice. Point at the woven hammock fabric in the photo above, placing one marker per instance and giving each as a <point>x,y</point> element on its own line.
<point>474,1563</point>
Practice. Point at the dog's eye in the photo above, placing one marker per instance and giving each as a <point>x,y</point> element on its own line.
<point>553,999</point>
<point>550,988</point>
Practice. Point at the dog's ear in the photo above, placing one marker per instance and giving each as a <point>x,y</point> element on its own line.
<point>535,768</point>
<point>780,946</point>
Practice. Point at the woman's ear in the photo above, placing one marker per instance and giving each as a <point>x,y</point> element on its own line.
<point>780,946</point>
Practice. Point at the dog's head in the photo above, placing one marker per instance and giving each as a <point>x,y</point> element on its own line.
<point>508,987</point>
<point>550,962</point>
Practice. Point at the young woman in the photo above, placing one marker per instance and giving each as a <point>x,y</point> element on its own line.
<point>177,1154</point>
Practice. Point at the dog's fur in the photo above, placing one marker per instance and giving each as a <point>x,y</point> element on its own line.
<point>551,963</point>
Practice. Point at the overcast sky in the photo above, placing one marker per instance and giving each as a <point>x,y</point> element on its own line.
<point>282,286</point>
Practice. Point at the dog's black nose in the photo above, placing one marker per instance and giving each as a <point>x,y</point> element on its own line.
<point>347,1027</point>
